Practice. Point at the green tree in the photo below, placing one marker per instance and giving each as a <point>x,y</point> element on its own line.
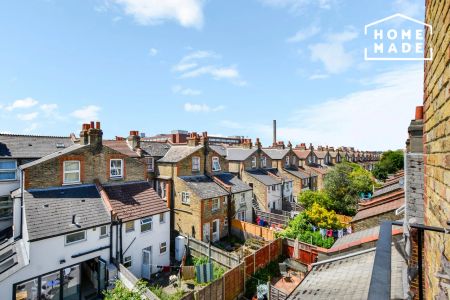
<point>308,198</point>
<point>390,162</point>
<point>343,185</point>
<point>121,292</point>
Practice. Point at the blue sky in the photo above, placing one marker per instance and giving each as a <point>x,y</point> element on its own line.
<point>226,67</point>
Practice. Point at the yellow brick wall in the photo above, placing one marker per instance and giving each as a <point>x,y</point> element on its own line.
<point>437,142</point>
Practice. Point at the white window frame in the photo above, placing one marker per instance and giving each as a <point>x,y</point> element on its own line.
<point>150,161</point>
<point>72,171</point>
<point>9,170</point>
<point>242,215</point>
<point>110,168</point>
<point>242,200</point>
<point>146,221</point>
<point>293,160</point>
<point>161,246</point>
<point>215,160</point>
<point>286,162</point>
<point>263,161</point>
<point>195,163</point>
<point>131,229</point>
<point>106,232</point>
<point>253,161</point>
<point>185,198</point>
<point>77,241</point>
<point>213,202</point>
<point>127,260</point>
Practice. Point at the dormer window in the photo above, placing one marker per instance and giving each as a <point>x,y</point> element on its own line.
<point>116,168</point>
<point>150,163</point>
<point>195,163</point>
<point>254,162</point>
<point>71,171</point>
<point>215,164</point>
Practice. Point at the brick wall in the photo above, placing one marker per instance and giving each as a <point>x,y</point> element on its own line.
<point>186,217</point>
<point>375,220</point>
<point>259,190</point>
<point>93,165</point>
<point>437,143</point>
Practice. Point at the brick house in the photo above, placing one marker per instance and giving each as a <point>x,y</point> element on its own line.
<point>200,191</point>
<point>335,155</point>
<point>323,155</point>
<point>75,202</point>
<point>307,161</point>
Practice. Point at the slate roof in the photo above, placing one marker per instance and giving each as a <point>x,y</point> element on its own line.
<point>49,212</point>
<point>30,146</point>
<point>204,187</point>
<point>277,173</point>
<point>237,185</point>
<point>177,153</point>
<point>333,153</point>
<point>320,154</point>
<point>263,177</point>
<point>134,200</point>
<point>356,236</point>
<point>276,153</point>
<point>53,155</point>
<point>379,209</point>
<point>298,173</point>
<point>221,150</point>
<point>348,277</point>
<point>120,146</point>
<point>387,189</point>
<point>239,154</point>
<point>155,149</point>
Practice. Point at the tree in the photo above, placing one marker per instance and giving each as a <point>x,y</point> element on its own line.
<point>343,185</point>
<point>121,292</point>
<point>322,218</point>
<point>308,198</point>
<point>390,162</point>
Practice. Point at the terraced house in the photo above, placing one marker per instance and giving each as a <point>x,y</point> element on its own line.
<point>79,204</point>
<point>201,190</point>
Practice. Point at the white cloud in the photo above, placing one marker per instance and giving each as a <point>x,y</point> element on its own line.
<point>199,63</point>
<point>49,109</point>
<point>31,128</point>
<point>22,103</point>
<point>296,6</point>
<point>192,107</point>
<point>178,89</point>
<point>27,117</point>
<point>187,13</point>
<point>332,52</point>
<point>153,51</point>
<point>87,113</point>
<point>304,34</point>
<point>373,118</point>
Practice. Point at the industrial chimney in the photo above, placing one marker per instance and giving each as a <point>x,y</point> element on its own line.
<point>274,132</point>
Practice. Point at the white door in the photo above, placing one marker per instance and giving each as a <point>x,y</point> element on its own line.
<point>216,230</point>
<point>206,232</point>
<point>146,263</point>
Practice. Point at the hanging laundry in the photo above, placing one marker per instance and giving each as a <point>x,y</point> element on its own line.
<point>323,232</point>
<point>329,233</point>
<point>349,229</point>
<point>340,233</point>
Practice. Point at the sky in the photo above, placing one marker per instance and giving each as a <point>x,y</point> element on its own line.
<point>225,67</point>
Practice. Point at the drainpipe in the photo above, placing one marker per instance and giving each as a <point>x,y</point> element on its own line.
<point>21,204</point>
<point>121,242</point>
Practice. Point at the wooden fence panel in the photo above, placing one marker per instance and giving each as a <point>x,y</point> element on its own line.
<point>248,230</point>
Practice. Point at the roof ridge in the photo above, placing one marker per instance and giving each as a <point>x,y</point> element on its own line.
<point>33,135</point>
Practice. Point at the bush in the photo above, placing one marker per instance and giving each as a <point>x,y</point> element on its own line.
<point>322,218</point>
<point>159,292</point>
<point>308,198</point>
<point>390,162</point>
<point>121,292</point>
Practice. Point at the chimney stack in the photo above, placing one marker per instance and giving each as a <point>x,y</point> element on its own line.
<point>258,144</point>
<point>274,132</point>
<point>204,138</point>
<point>193,139</point>
<point>247,144</point>
<point>91,134</point>
<point>134,140</point>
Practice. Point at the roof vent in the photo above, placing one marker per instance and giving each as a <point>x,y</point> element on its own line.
<point>75,221</point>
<point>60,145</point>
<point>46,205</point>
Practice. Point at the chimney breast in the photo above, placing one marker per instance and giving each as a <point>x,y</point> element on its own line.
<point>134,140</point>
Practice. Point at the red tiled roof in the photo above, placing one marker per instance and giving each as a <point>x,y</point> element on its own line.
<point>394,195</point>
<point>120,146</point>
<point>379,209</point>
<point>131,201</point>
<point>302,154</point>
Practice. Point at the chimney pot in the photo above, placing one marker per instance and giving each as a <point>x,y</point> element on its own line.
<point>419,112</point>
<point>97,125</point>
<point>92,125</point>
